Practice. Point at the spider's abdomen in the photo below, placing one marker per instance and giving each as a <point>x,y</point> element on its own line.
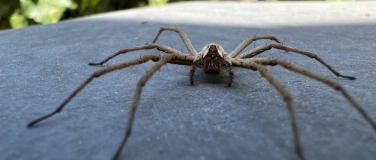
<point>212,60</point>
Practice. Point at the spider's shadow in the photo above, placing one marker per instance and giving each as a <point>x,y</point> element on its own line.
<point>217,79</point>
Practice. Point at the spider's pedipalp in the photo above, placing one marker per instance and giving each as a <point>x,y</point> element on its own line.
<point>263,48</point>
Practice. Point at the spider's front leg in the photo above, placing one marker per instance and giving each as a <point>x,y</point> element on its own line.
<point>231,74</point>
<point>96,74</point>
<point>228,64</point>
<point>250,64</point>
<point>123,51</point>
<point>159,47</point>
<point>196,62</point>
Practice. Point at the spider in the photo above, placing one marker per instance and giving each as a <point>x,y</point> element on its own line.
<point>212,58</point>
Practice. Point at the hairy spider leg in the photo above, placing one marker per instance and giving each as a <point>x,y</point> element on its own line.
<point>283,91</point>
<point>96,74</point>
<point>279,46</point>
<point>182,35</point>
<point>164,60</point>
<point>248,41</point>
<point>159,47</point>
<point>250,63</point>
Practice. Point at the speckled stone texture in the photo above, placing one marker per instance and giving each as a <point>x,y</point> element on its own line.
<point>41,65</point>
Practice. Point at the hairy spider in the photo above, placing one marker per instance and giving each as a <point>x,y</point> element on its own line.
<point>212,58</point>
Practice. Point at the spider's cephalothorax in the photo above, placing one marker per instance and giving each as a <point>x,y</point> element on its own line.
<point>212,60</point>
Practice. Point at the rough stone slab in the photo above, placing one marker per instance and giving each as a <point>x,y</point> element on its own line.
<point>41,65</point>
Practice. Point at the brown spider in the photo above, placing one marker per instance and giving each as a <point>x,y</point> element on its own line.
<point>212,58</point>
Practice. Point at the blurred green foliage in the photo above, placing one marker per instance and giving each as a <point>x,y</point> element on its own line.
<point>22,13</point>
<point>44,11</point>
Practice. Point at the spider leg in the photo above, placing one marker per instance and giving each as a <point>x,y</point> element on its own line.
<point>162,48</point>
<point>333,84</point>
<point>336,86</point>
<point>231,74</point>
<point>283,91</point>
<point>192,73</point>
<point>264,61</point>
<point>248,41</point>
<point>96,74</point>
<point>196,61</point>
<point>164,59</point>
<point>263,48</point>
<point>186,63</point>
<point>182,35</point>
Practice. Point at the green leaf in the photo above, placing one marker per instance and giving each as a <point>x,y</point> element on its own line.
<point>17,20</point>
<point>87,4</point>
<point>46,11</point>
<point>157,2</point>
<point>27,8</point>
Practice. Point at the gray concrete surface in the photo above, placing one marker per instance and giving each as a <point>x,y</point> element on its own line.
<point>41,65</point>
